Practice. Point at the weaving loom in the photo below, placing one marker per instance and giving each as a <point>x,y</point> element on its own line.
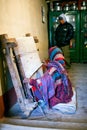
<point>29,62</point>
<point>19,50</point>
<point>28,54</point>
<point>28,65</point>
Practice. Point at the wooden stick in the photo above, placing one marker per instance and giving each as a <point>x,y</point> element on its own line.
<point>16,83</point>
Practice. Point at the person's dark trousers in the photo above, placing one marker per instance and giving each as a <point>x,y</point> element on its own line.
<point>66,53</point>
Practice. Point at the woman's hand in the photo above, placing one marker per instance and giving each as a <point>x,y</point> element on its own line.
<point>26,80</point>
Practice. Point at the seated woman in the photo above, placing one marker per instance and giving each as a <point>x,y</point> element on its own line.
<point>54,86</point>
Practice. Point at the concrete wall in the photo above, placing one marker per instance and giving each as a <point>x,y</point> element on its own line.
<point>18,17</point>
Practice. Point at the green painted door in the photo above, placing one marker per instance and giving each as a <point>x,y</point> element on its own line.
<point>73,17</point>
<point>83,41</point>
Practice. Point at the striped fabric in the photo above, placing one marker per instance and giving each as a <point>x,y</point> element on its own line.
<point>63,86</point>
<point>56,54</point>
<point>54,86</point>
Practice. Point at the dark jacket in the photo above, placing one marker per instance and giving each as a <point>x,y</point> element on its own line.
<point>63,34</point>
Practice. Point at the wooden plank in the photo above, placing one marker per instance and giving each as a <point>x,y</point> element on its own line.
<point>16,82</point>
<point>28,55</point>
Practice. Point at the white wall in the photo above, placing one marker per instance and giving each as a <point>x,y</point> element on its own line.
<point>18,17</point>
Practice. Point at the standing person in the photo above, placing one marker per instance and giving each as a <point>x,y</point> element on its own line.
<point>63,35</point>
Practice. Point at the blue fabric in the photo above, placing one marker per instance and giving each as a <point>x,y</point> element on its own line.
<point>48,87</point>
<point>54,52</point>
<point>56,76</point>
<point>62,62</point>
<point>60,72</point>
<point>45,90</point>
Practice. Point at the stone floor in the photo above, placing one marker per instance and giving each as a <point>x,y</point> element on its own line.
<point>78,76</point>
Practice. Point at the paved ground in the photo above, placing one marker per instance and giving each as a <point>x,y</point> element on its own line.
<point>78,76</point>
<point>78,120</point>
